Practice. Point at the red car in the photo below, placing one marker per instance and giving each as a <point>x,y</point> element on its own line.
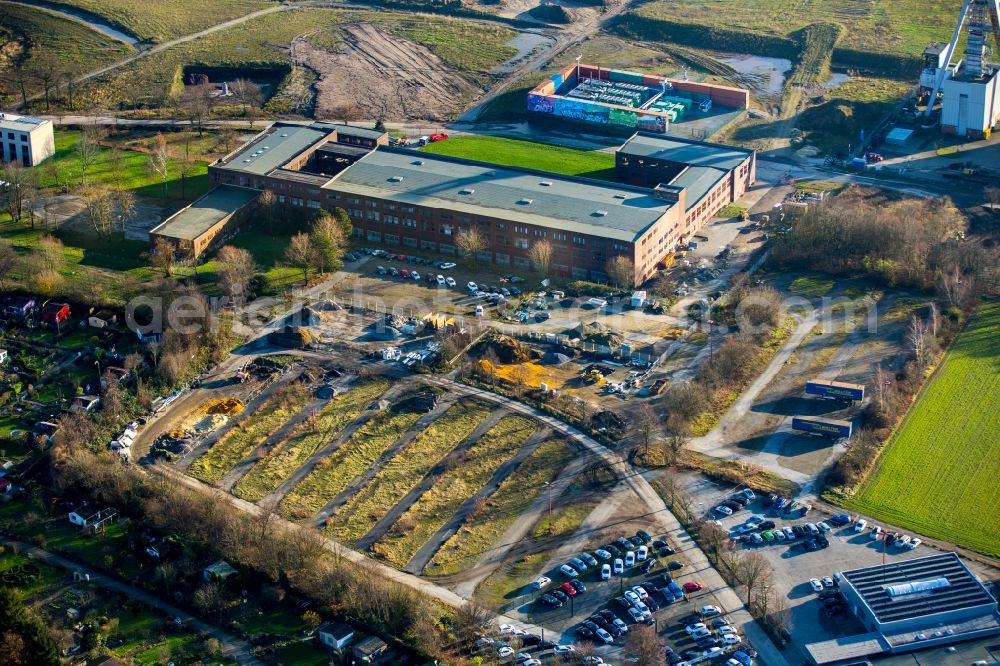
<point>692,586</point>
<point>439,136</point>
<point>568,589</point>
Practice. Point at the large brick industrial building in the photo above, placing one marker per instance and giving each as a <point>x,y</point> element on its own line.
<point>420,202</point>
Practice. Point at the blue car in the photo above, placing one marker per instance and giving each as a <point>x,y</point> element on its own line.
<point>780,503</point>
<point>839,520</point>
<point>743,658</point>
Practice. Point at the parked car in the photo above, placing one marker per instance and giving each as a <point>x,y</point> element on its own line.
<point>642,554</point>
<point>674,565</point>
<point>860,525</point>
<point>693,586</point>
<point>473,287</point>
<point>710,611</point>
<point>589,559</point>
<point>605,572</point>
<point>839,519</point>
<point>723,510</point>
<point>568,590</point>
<point>902,541</point>
<point>828,582</point>
<point>816,584</point>
<point>578,584</point>
<point>602,554</point>
<point>541,581</point>
<point>619,566</point>
<point>604,636</point>
<point>913,544</point>
<point>569,571</point>
<point>550,600</point>
<point>630,558</point>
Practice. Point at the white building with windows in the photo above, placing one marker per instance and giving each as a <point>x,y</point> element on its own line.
<point>25,139</point>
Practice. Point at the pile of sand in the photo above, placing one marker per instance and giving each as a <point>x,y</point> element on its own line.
<point>210,422</point>
<point>225,406</point>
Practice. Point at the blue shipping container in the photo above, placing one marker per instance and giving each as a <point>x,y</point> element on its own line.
<point>821,426</point>
<point>836,390</point>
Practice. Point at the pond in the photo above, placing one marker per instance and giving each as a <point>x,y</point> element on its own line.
<point>768,73</point>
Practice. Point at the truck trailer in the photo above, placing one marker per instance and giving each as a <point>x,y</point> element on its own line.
<point>826,388</point>
<point>817,425</point>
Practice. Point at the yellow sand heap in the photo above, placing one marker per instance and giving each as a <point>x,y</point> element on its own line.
<point>225,406</point>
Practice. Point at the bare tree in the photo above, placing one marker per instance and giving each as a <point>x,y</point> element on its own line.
<point>47,70</point>
<point>540,256</point>
<point>646,420</point>
<point>267,203</point>
<point>752,570</point>
<point>247,93</point>
<point>956,287</point>
<point>236,269</point>
<point>19,191</point>
<point>621,271</point>
<point>126,204</point>
<point>918,339</point>
<point>196,104</point>
<point>158,161</point>
<point>100,209</point>
<point>301,253</point>
<point>471,241</point>
<point>643,645</point>
<point>162,255</point>
<point>88,151</point>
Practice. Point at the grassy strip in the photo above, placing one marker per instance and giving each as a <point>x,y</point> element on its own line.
<point>813,286</point>
<point>429,513</point>
<point>931,476</point>
<point>247,435</point>
<point>354,456</point>
<point>503,584</point>
<point>401,474</point>
<point>271,471</point>
<point>481,531</point>
<point>72,45</point>
<point>160,21</point>
<point>566,518</point>
<point>528,154</point>
<point>726,396</point>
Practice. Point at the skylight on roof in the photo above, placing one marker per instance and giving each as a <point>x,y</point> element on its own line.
<point>523,201</point>
<point>600,213</point>
<point>546,183</point>
<point>466,190</point>
<point>619,196</point>
<point>417,162</point>
<point>395,179</point>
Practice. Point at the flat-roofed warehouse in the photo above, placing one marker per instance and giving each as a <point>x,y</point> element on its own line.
<point>210,220</point>
<point>910,605</point>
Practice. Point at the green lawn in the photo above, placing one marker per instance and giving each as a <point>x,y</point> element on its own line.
<point>519,490</point>
<point>813,286</point>
<point>405,471</point>
<point>159,21</point>
<point>131,171</point>
<point>279,463</point>
<point>937,475</point>
<point>457,484</point>
<point>302,654</point>
<point>529,154</point>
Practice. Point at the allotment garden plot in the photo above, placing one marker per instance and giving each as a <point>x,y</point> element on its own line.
<point>412,474</point>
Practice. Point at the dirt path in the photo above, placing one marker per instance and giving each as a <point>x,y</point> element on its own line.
<point>274,497</point>
<point>494,557</point>
<point>383,76</point>
<point>232,646</point>
<point>392,515</point>
<point>423,556</point>
<point>363,479</point>
<point>234,475</point>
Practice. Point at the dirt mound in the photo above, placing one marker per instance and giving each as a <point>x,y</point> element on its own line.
<point>509,350</point>
<point>225,406</point>
<point>384,76</point>
<point>551,14</point>
<point>598,334</point>
<point>295,337</point>
<point>210,422</point>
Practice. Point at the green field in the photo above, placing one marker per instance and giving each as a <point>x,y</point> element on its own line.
<point>154,21</point>
<point>888,26</point>
<point>71,44</point>
<point>131,171</point>
<point>937,474</point>
<point>471,48</point>
<point>529,154</point>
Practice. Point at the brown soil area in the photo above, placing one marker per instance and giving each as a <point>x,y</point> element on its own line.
<point>376,74</point>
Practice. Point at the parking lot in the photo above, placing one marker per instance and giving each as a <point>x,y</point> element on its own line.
<point>793,566</point>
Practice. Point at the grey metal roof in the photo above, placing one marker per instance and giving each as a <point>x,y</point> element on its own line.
<point>273,148</point>
<point>194,220</point>
<point>362,132</point>
<point>685,151</point>
<point>21,123</point>
<point>620,212</point>
<point>697,182</point>
<point>846,647</point>
<point>963,591</point>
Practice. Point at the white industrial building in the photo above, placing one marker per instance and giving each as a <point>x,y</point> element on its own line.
<point>969,88</point>
<point>25,139</point>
